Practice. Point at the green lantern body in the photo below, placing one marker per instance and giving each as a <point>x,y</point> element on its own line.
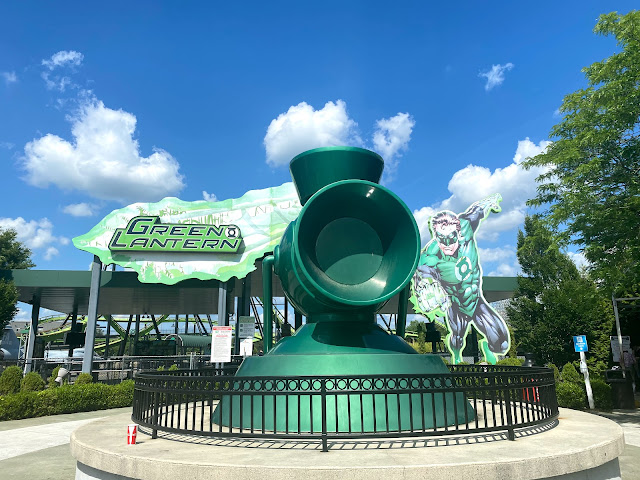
<point>353,247</point>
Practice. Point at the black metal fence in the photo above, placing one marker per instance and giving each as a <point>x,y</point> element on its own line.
<point>469,399</point>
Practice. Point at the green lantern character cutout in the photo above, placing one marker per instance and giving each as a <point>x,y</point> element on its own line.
<point>448,282</point>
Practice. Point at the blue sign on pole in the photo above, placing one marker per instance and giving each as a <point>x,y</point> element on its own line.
<point>580,343</point>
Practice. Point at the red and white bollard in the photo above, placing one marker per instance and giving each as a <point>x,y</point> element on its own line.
<point>132,432</point>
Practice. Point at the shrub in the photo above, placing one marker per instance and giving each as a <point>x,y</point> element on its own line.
<point>10,380</point>
<point>83,379</point>
<point>32,382</point>
<point>66,399</point>
<point>556,372</point>
<point>511,362</point>
<point>161,368</point>
<point>570,374</point>
<point>601,394</point>
<point>597,370</point>
<point>173,367</point>
<point>570,395</point>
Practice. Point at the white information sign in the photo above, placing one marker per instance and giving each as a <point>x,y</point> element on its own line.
<point>221,344</point>
<point>615,346</point>
<point>246,347</point>
<point>246,327</point>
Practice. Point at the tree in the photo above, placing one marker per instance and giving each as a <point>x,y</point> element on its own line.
<point>13,255</point>
<point>591,184</point>
<point>554,301</point>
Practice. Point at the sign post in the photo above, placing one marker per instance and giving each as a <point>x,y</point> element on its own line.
<point>580,345</point>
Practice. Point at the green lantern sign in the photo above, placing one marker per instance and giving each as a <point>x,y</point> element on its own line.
<point>148,234</point>
<point>172,240</point>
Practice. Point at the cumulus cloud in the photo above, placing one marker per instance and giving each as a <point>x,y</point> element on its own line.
<point>66,60</point>
<point>9,77</point>
<point>579,259</point>
<point>209,197</point>
<point>103,160</point>
<point>80,209</point>
<point>495,76</point>
<point>35,234</point>
<point>473,183</point>
<point>391,137</point>
<point>504,270</point>
<point>302,128</point>
<point>63,58</point>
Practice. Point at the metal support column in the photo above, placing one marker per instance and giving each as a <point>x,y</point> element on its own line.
<point>223,320</point>
<point>135,339</point>
<point>33,331</point>
<point>267,302</point>
<point>92,316</point>
<point>106,345</point>
<point>244,307</point>
<point>74,322</point>
<point>298,320</point>
<point>401,319</point>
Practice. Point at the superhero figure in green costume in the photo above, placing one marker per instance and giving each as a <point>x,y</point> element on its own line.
<point>448,282</point>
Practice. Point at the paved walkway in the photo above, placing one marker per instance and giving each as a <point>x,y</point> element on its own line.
<point>39,447</point>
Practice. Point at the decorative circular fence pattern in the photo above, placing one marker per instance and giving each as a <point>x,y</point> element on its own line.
<point>469,399</point>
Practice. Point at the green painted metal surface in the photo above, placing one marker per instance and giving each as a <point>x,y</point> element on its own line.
<point>354,246</point>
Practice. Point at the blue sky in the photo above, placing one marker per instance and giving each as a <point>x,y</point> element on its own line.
<point>102,105</point>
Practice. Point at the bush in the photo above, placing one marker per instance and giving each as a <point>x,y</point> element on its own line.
<point>173,367</point>
<point>570,374</point>
<point>601,394</point>
<point>32,382</point>
<point>571,395</point>
<point>83,379</point>
<point>556,372</point>
<point>511,362</point>
<point>10,380</point>
<point>66,399</point>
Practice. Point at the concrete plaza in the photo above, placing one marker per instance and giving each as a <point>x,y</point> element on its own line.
<point>39,447</point>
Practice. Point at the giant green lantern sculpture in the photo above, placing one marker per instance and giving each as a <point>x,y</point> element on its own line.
<point>354,246</point>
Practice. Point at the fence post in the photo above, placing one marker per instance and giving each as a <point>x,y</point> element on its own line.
<point>510,432</point>
<point>323,399</point>
<point>156,396</point>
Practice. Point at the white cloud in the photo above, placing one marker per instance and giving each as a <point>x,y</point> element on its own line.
<point>473,183</point>
<point>9,77</point>
<point>7,145</point>
<point>103,160</point>
<point>392,137</point>
<point>209,197</point>
<point>579,259</point>
<point>80,209</point>
<point>497,254</point>
<point>64,58</point>
<point>59,83</point>
<point>302,128</point>
<point>35,234</point>
<point>504,270</point>
<point>422,217</point>
<point>495,76</point>
<point>50,253</point>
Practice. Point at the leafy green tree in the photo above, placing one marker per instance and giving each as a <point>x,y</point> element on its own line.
<point>554,301</point>
<point>13,254</point>
<point>591,184</point>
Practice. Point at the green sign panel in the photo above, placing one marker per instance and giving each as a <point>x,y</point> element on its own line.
<point>148,234</point>
<point>172,240</point>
